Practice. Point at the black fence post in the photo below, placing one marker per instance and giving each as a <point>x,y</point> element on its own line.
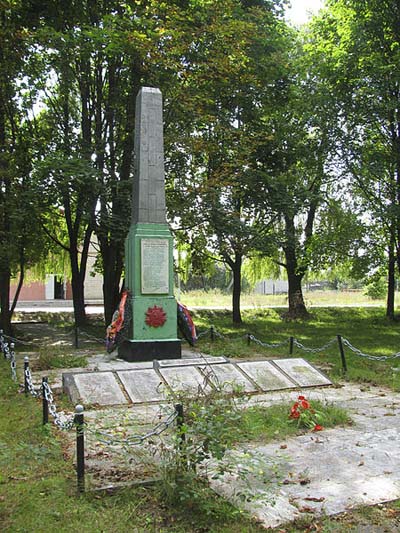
<point>181,433</point>
<point>45,403</point>
<point>26,367</point>
<point>80,448</point>
<point>291,342</point>
<point>342,356</point>
<point>212,333</point>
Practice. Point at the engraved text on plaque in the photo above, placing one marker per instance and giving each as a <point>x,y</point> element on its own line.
<point>155,266</point>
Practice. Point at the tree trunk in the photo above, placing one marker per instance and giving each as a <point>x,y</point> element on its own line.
<point>5,314</point>
<point>20,281</point>
<point>112,270</point>
<point>297,308</point>
<point>236,267</point>
<point>391,282</point>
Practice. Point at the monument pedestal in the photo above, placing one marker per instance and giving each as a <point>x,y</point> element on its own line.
<point>134,351</point>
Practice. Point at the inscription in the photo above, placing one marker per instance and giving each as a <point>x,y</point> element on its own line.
<point>155,266</point>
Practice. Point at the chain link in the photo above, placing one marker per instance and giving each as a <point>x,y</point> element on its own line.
<point>91,337</point>
<point>314,350</point>
<point>26,343</point>
<point>59,417</point>
<point>9,354</point>
<point>371,357</point>
<point>203,333</point>
<point>31,387</point>
<point>133,440</point>
<point>265,345</point>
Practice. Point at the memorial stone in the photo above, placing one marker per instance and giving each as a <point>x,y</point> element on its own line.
<point>149,247</point>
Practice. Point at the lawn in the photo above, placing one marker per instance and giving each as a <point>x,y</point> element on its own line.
<point>37,481</point>
<point>366,328</point>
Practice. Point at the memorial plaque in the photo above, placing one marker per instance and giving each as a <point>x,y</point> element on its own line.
<point>267,377</point>
<point>228,377</point>
<point>302,372</point>
<point>187,378</point>
<point>155,266</point>
<point>142,385</point>
<point>94,388</point>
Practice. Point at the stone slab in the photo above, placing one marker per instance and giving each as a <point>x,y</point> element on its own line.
<point>192,361</point>
<point>302,372</point>
<point>266,375</point>
<point>186,378</point>
<point>91,388</point>
<point>142,385</point>
<point>228,377</point>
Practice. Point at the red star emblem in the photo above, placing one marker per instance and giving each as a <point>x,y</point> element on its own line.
<point>155,316</point>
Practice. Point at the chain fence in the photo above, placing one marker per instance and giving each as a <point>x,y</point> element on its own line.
<point>314,350</point>
<point>67,422</point>
<point>136,439</point>
<point>367,356</point>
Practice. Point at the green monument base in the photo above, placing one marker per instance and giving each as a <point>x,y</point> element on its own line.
<point>149,277</point>
<point>134,351</point>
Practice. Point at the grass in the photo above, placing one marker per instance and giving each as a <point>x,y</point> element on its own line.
<point>271,423</point>
<point>367,329</point>
<point>38,486</point>
<point>58,357</point>
<point>37,482</point>
<point>217,298</point>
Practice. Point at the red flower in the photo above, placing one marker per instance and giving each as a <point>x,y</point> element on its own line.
<point>301,398</point>
<point>318,427</point>
<point>305,404</point>
<point>294,414</point>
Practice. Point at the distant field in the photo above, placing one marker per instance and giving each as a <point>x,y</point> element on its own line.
<point>215,298</point>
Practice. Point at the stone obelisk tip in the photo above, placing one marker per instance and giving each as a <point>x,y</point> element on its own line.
<point>149,178</point>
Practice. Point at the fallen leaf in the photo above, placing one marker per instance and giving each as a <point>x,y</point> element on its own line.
<point>313,499</point>
<point>283,446</point>
<point>306,509</point>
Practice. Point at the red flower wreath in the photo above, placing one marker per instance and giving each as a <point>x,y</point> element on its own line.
<point>155,316</point>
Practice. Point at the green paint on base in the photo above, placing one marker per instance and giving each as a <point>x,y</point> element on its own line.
<point>140,303</point>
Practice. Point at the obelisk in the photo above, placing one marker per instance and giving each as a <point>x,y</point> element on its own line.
<point>149,245</point>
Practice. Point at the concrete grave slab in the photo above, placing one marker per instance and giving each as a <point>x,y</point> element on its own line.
<point>117,365</point>
<point>99,388</point>
<point>302,372</point>
<point>192,361</point>
<point>266,375</point>
<point>227,376</point>
<point>143,385</point>
<point>185,378</point>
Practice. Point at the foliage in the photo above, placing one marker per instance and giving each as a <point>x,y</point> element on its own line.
<point>376,289</point>
<point>353,49</point>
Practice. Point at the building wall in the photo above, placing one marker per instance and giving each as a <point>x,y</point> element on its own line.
<point>29,292</point>
<point>272,286</point>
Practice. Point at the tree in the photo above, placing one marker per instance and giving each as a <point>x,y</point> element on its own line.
<point>209,159</point>
<point>20,239</point>
<point>355,49</point>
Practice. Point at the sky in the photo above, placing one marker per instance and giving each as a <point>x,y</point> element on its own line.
<point>300,10</point>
